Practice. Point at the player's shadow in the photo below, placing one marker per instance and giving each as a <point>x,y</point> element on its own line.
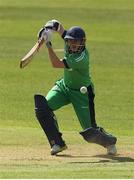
<point>117,158</point>
<point>104,158</point>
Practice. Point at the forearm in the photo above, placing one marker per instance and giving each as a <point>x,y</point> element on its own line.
<point>56,62</point>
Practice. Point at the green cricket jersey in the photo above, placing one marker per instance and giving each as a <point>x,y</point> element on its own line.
<point>77,73</point>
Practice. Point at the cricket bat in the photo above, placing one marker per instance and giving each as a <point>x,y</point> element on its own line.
<point>29,56</point>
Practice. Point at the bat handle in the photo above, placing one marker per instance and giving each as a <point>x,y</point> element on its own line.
<point>40,42</point>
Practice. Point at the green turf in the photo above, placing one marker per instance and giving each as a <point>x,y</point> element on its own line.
<point>109,27</point>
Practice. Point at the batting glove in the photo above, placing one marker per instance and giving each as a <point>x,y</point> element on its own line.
<point>48,44</point>
<point>45,34</point>
<point>53,24</point>
<point>40,33</point>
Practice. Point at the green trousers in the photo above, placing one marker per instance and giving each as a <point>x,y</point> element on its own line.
<point>83,104</point>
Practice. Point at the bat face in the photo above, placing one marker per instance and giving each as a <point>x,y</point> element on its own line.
<point>29,56</point>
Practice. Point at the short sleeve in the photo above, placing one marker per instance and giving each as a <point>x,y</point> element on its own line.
<point>77,61</point>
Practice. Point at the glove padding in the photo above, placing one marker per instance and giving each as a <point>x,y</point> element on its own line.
<point>53,24</point>
<point>45,34</point>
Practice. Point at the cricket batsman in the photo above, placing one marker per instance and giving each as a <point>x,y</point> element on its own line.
<point>76,87</point>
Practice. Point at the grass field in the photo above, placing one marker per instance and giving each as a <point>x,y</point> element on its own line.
<point>24,152</point>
